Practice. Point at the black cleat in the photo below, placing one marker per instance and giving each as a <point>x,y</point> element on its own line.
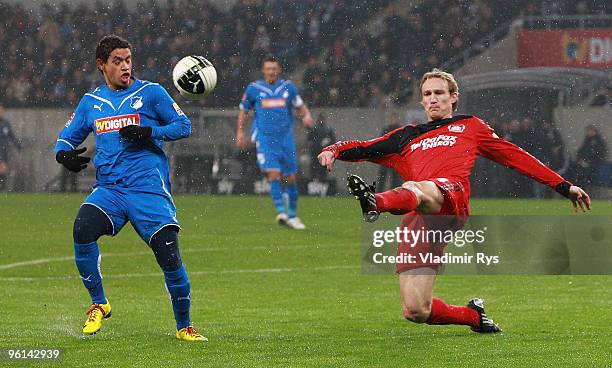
<point>365,194</point>
<point>486,324</point>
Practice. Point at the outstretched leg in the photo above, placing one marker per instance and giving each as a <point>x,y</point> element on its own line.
<point>423,196</point>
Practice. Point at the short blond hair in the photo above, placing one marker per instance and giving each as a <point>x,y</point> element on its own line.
<point>448,77</point>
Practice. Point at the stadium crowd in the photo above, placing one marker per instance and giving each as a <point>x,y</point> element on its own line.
<point>48,51</point>
<point>379,68</point>
<point>544,141</point>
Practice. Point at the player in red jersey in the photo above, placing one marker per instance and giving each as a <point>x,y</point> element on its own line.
<point>436,159</point>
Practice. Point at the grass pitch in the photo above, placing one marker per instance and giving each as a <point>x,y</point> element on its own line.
<point>266,296</point>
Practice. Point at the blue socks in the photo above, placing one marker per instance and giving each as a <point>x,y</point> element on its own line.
<point>87,259</point>
<point>292,194</point>
<point>179,289</point>
<point>277,196</point>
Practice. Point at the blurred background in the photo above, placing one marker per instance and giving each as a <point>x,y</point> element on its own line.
<point>537,71</point>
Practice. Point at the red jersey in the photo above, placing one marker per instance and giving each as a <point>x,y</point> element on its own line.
<point>446,148</point>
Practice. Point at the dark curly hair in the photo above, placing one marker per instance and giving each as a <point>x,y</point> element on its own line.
<point>107,44</point>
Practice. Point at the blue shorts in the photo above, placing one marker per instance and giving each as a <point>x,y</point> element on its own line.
<point>148,208</point>
<point>277,156</point>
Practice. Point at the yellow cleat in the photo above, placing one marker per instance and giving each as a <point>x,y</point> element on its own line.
<point>189,334</point>
<point>95,315</point>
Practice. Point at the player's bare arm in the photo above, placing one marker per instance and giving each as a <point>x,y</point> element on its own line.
<point>305,115</point>
<point>241,139</point>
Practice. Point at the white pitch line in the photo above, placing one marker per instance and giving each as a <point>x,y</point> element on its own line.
<point>35,262</point>
<point>189,250</point>
<point>190,273</point>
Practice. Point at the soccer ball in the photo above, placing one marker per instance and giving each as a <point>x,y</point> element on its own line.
<point>194,77</point>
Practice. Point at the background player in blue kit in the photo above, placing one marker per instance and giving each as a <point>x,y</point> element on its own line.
<point>273,100</point>
<point>130,119</point>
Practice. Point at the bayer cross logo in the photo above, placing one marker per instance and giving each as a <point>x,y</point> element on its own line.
<point>456,128</point>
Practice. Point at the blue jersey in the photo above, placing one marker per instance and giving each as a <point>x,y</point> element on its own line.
<point>273,104</point>
<point>104,112</point>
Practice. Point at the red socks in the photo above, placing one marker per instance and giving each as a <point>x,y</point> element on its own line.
<point>397,201</point>
<point>445,314</point>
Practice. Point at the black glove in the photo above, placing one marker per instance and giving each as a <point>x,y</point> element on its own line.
<point>71,159</point>
<point>135,133</point>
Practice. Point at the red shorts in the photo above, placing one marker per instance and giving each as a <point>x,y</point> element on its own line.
<point>422,251</point>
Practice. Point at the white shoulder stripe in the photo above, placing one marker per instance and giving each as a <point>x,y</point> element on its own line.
<point>68,143</point>
<point>101,99</point>
<point>265,89</point>
<point>135,92</point>
<point>281,86</point>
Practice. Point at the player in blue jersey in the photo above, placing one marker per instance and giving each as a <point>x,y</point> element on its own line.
<point>130,120</point>
<point>273,100</point>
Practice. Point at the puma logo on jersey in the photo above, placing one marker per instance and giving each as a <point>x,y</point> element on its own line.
<point>439,141</point>
<point>99,107</point>
<point>115,123</point>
